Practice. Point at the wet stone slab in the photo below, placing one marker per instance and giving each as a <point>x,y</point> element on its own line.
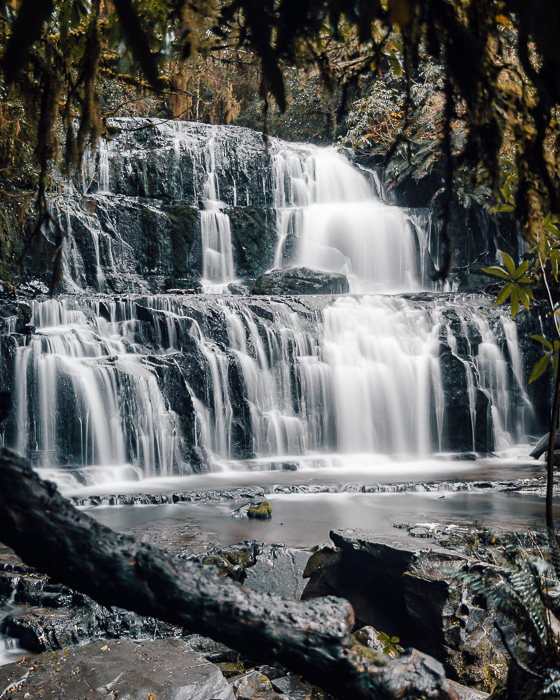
<point>164,669</point>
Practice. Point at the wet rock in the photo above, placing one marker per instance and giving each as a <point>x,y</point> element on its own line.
<point>419,532</point>
<point>301,280</point>
<point>474,279</point>
<point>542,445</point>
<point>260,511</point>
<point>233,561</point>
<point>293,688</point>
<point>49,616</point>
<point>24,314</point>
<point>238,494</point>
<point>464,693</point>
<point>254,236</point>
<point>124,669</point>
<point>289,467</point>
<point>213,651</point>
<point>251,685</point>
<point>238,289</point>
<point>407,589</point>
<point>278,570</point>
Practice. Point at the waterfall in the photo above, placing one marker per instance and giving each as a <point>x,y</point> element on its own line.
<point>131,381</point>
<point>328,211</point>
<point>217,251</point>
<point>84,400</point>
<point>263,381</point>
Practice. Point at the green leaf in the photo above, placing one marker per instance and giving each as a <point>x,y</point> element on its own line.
<point>503,294</point>
<point>514,301</point>
<point>521,270</point>
<point>497,272</point>
<point>539,368</point>
<point>544,341</point>
<point>525,295</point>
<point>503,208</point>
<point>508,262</point>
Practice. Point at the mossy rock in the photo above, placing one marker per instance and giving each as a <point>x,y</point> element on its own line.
<point>260,511</point>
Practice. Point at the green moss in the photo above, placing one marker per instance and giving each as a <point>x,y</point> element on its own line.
<point>260,511</point>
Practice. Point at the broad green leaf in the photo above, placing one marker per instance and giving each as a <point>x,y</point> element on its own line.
<point>544,341</point>
<point>514,301</point>
<point>501,208</point>
<point>539,368</point>
<point>521,270</point>
<point>497,272</point>
<point>503,294</point>
<point>525,295</point>
<point>508,262</point>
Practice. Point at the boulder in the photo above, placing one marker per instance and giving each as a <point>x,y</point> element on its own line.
<point>301,280</point>
<point>542,445</point>
<point>163,669</point>
<point>406,588</point>
<point>278,570</point>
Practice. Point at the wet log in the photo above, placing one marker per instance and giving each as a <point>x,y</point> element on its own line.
<point>311,638</point>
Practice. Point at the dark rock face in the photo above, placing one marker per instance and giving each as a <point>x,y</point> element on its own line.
<point>253,232</point>
<point>301,280</point>
<point>405,589</point>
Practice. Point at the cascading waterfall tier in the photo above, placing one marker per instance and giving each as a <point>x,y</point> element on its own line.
<point>183,205</point>
<point>329,218</point>
<point>170,384</point>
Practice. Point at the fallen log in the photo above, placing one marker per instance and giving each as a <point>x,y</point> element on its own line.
<point>312,638</point>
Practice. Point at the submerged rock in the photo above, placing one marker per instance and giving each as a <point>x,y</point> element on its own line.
<point>301,280</point>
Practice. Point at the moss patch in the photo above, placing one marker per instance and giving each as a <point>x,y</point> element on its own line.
<point>260,511</point>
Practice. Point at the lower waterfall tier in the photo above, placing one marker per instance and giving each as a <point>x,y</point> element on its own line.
<point>161,385</point>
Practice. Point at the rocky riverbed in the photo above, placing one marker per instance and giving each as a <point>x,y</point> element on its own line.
<point>401,587</point>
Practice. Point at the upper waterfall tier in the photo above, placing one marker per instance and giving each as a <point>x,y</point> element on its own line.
<point>329,213</point>
<point>171,384</point>
<point>183,205</point>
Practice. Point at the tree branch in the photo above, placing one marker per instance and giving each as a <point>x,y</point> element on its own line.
<point>314,638</point>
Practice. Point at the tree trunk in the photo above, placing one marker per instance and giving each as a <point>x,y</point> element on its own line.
<point>313,639</point>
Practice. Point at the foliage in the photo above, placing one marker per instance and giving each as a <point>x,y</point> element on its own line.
<point>518,286</point>
<point>520,586</point>
<point>389,645</point>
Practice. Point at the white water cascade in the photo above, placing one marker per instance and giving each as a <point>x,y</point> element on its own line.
<point>328,211</point>
<point>86,399</point>
<point>215,229</point>
<point>135,382</point>
<point>374,376</point>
